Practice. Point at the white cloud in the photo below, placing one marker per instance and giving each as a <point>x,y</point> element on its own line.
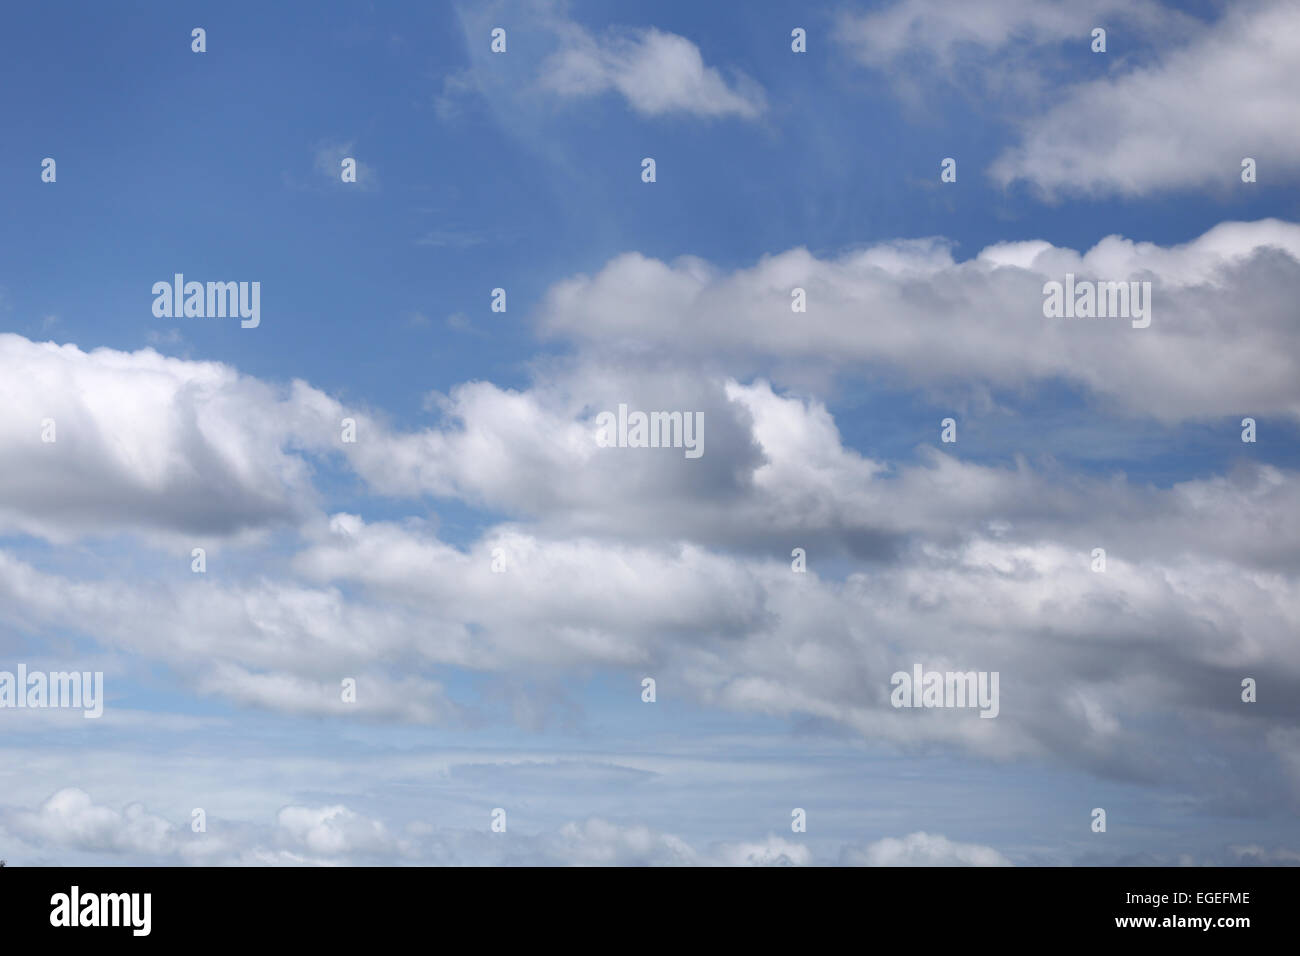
<point>1174,103</point>
<point>194,449</point>
<point>307,835</point>
<point>626,569</point>
<point>333,831</point>
<point>145,442</point>
<point>741,634</point>
<point>774,851</point>
<point>1221,336</point>
<point>71,819</point>
<point>683,565</point>
<point>922,849</point>
<point>598,842</point>
<point>1185,121</point>
<point>657,72</point>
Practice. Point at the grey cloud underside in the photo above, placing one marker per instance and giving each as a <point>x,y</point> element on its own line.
<point>145,440</point>
<point>621,563</point>
<point>639,560</point>
<point>908,312</point>
<point>1091,664</point>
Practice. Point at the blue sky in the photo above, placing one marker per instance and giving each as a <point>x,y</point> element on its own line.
<point>774,169</point>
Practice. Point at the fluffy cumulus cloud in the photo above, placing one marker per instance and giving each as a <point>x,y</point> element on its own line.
<point>1186,121</point>
<point>101,441</point>
<point>912,314</point>
<point>487,567</point>
<point>1175,103</point>
<point>332,831</point>
<point>971,566</point>
<point>274,644</point>
<point>922,849</point>
<point>146,442</point>
<point>744,635</point>
<point>554,60</point>
<point>782,466</point>
<point>71,823</point>
<point>71,819</point>
<point>656,72</point>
